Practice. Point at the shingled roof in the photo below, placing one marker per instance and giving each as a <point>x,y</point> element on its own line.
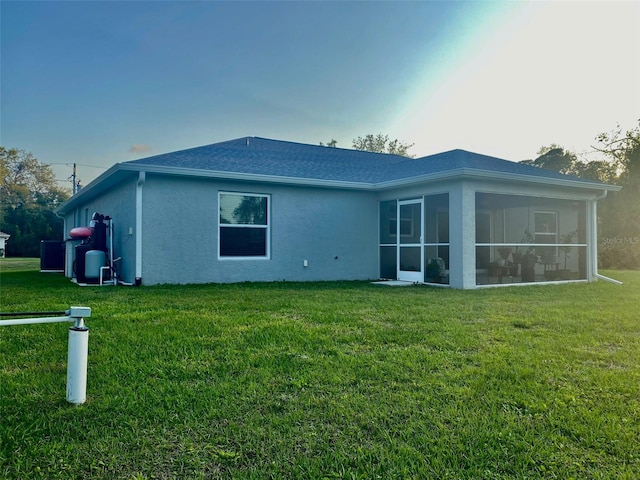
<point>265,160</point>
<point>277,158</point>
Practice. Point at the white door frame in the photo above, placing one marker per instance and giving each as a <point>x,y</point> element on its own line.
<point>410,275</point>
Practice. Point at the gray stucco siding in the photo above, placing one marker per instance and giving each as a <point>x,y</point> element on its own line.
<point>180,233</point>
<point>178,230</point>
<point>417,191</point>
<point>119,204</point>
<point>336,231</point>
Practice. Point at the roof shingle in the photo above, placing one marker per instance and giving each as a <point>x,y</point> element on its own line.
<point>277,158</point>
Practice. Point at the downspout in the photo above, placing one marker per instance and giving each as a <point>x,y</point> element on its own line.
<point>594,236</point>
<point>64,224</point>
<point>139,185</point>
<point>68,264</point>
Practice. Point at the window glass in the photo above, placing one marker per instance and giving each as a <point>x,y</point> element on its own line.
<point>410,226</point>
<point>545,223</point>
<point>244,225</point>
<point>243,242</point>
<point>243,209</point>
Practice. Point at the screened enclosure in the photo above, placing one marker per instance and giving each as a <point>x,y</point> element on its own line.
<point>521,239</point>
<point>414,239</point>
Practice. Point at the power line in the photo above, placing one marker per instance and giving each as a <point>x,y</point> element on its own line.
<point>73,178</point>
<point>81,164</point>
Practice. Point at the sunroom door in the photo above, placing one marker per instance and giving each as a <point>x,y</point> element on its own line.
<point>410,245</point>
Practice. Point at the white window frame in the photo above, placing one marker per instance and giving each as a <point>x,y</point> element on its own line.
<point>551,235</point>
<point>267,227</point>
<point>546,212</point>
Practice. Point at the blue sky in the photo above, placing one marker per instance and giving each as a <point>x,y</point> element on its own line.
<point>103,82</point>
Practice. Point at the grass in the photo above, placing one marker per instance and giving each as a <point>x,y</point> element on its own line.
<point>324,380</point>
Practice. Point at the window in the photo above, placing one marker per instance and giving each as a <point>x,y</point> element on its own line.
<point>546,225</point>
<point>244,225</point>
<point>546,232</point>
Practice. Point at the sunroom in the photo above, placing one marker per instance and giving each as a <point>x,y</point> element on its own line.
<point>484,233</point>
<point>522,239</point>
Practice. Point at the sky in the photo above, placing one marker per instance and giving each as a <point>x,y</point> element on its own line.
<point>96,83</point>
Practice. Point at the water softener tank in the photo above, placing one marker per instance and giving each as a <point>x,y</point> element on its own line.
<point>93,260</point>
<point>78,267</point>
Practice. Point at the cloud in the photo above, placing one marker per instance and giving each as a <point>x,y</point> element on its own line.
<point>139,148</point>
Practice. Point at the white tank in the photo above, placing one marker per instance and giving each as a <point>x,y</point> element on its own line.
<point>93,260</point>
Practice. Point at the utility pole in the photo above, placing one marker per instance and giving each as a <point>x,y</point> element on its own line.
<point>74,181</point>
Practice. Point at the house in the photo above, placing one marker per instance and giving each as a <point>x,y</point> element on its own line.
<point>255,209</point>
<point>4,237</point>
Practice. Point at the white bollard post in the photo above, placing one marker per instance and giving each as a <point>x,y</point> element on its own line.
<point>77,357</point>
<point>77,365</point>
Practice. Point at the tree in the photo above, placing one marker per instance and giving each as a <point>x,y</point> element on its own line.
<point>29,194</point>
<point>624,149</point>
<point>546,149</point>
<point>598,170</point>
<point>331,143</point>
<point>251,211</point>
<point>554,158</point>
<point>619,212</point>
<point>381,144</point>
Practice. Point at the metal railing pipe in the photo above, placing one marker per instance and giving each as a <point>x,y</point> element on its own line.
<point>78,346</point>
<point>29,321</point>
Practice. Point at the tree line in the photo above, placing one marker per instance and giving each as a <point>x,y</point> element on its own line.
<point>379,143</point>
<point>30,194</point>
<point>618,212</point>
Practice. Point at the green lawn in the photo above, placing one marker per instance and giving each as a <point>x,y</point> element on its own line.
<point>324,380</point>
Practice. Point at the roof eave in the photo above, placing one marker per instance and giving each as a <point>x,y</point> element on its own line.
<point>89,190</point>
<point>560,182</point>
<point>251,177</point>
<point>106,178</point>
<point>493,175</point>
